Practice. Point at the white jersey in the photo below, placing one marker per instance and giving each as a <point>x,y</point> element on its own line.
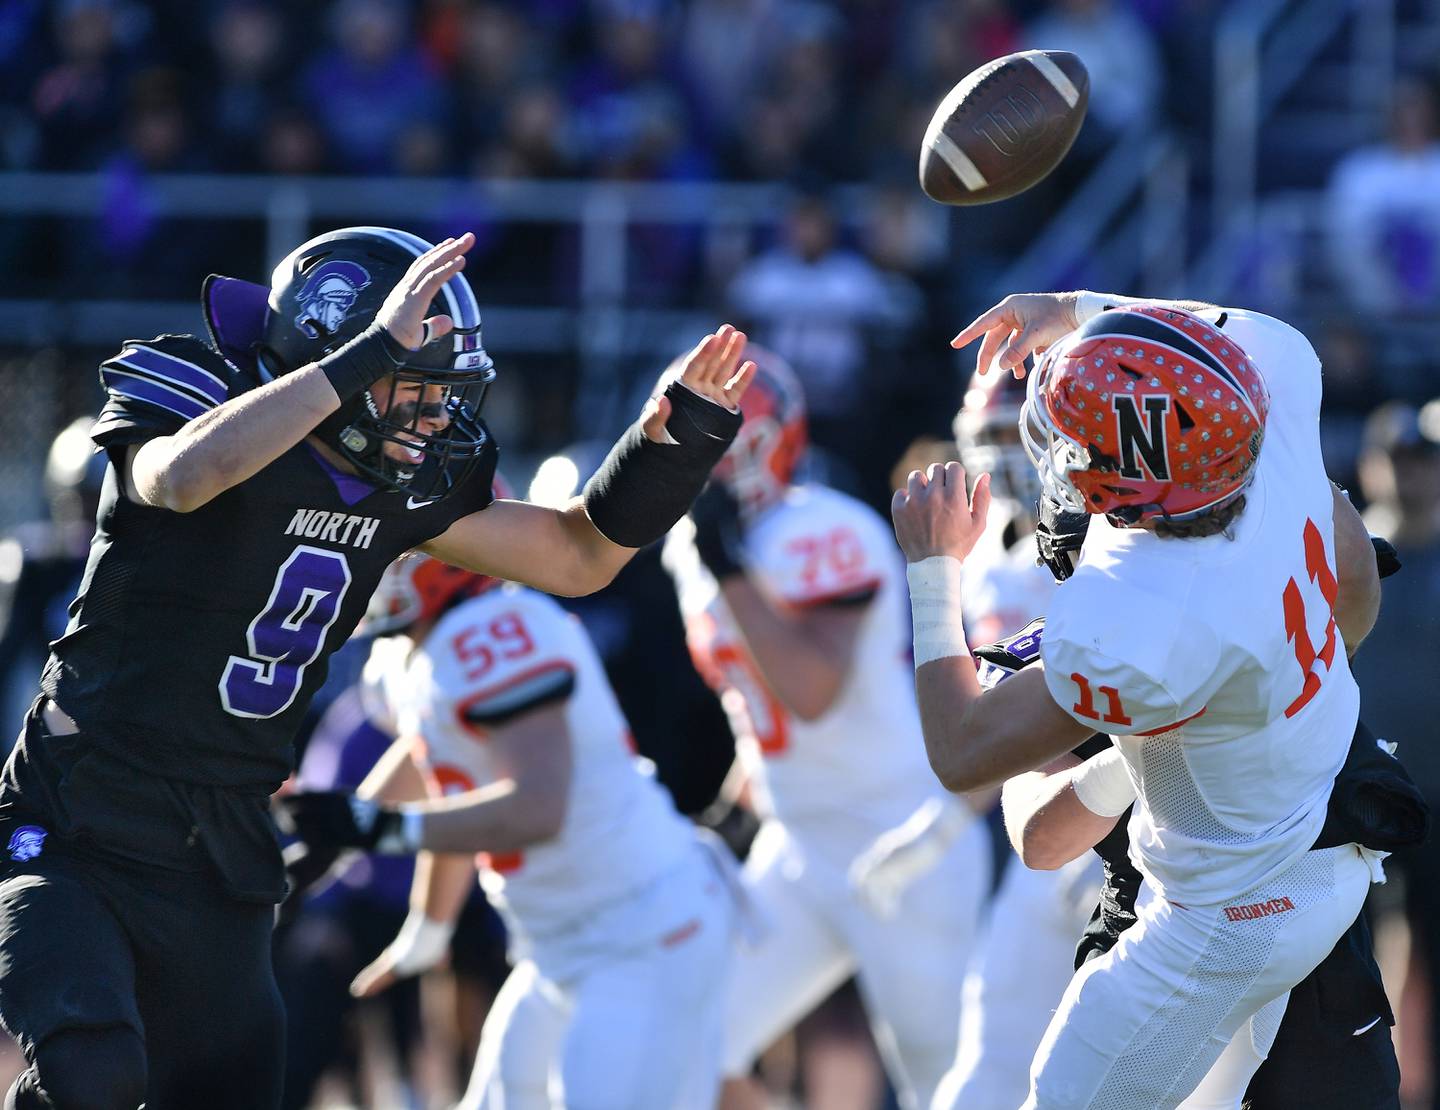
<point>488,659</point>
<point>1216,663</point>
<point>865,757</point>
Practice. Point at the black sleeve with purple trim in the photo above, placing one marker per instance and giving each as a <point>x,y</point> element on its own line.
<point>1009,655</point>
<point>155,386</point>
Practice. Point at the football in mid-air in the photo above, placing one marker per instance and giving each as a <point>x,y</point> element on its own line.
<point>1004,127</point>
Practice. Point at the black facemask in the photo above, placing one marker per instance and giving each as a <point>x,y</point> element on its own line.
<point>1059,535</point>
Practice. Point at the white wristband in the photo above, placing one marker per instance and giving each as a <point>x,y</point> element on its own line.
<point>420,944</point>
<point>935,608</point>
<point>1088,304</point>
<point>1102,783</point>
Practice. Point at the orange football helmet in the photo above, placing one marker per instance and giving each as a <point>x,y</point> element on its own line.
<point>418,587</point>
<point>1145,412</point>
<point>762,461</point>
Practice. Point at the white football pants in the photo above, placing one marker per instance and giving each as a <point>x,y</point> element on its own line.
<point>817,934</point>
<point>1139,1027</point>
<point>638,1028</point>
<point>1016,980</point>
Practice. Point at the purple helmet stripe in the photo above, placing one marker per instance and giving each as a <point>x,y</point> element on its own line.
<point>158,365</point>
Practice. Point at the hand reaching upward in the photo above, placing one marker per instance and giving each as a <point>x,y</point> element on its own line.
<point>714,370</point>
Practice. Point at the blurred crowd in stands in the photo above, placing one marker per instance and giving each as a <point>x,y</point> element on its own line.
<point>801,91</point>
<point>810,93</point>
<point>631,89</point>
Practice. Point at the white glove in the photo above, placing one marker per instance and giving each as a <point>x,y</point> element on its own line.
<point>880,875</point>
<point>420,944</point>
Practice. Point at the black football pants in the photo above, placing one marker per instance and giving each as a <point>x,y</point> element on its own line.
<point>97,953</point>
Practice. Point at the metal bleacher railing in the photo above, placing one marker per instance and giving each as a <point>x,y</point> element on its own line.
<point>288,208</point>
<point>1134,226</point>
<point>1132,219</point>
<point>607,323</point>
<point>1263,51</point>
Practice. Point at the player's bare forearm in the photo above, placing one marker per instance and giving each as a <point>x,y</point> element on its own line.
<point>973,739</point>
<point>804,656</point>
<point>604,558</point>
<point>525,805</point>
<point>976,739</point>
<point>556,550</point>
<point>441,885</point>
<point>1357,599</point>
<point>394,778</point>
<point>1046,822</point>
<point>945,690</point>
<point>231,442</point>
<point>494,818</point>
<point>1024,324</point>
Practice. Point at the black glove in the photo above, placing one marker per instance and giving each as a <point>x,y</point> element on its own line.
<point>304,867</point>
<point>1059,534</point>
<point>1387,559</point>
<point>718,536</point>
<point>1016,651</point>
<point>332,819</point>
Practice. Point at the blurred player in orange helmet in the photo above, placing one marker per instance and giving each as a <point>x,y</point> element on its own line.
<point>791,594</point>
<point>619,918</point>
<point>761,464</point>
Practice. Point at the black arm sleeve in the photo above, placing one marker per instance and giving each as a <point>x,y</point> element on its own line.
<point>642,488</point>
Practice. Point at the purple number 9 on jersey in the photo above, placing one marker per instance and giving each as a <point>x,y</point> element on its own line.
<point>286,636</point>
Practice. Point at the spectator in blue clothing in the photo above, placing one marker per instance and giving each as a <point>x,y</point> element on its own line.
<point>373,88</point>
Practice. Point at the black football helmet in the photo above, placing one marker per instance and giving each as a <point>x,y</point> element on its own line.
<point>325,293</point>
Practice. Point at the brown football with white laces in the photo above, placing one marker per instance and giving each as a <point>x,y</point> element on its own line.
<point>1004,127</point>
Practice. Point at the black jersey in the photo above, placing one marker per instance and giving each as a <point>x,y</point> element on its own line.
<point>198,639</point>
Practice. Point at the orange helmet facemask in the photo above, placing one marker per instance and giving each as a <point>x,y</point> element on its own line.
<point>762,461</point>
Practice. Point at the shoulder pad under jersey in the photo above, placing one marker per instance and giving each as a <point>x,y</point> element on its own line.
<point>178,374</point>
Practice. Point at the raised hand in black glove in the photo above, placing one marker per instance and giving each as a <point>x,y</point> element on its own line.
<point>332,819</point>
<point>1387,559</point>
<point>718,535</point>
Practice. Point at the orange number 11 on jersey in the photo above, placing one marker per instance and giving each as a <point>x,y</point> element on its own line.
<point>1085,707</point>
<point>1318,568</point>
